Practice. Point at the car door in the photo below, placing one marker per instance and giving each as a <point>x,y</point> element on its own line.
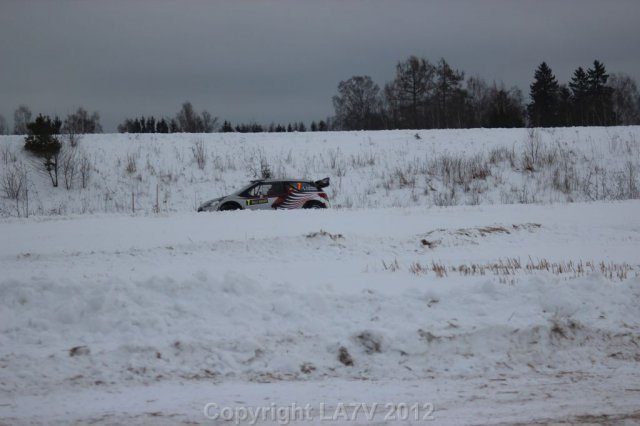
<point>258,198</point>
<point>276,194</point>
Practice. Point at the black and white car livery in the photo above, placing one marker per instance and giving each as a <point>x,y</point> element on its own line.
<point>266,194</point>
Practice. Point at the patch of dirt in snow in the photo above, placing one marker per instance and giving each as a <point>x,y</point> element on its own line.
<point>465,236</point>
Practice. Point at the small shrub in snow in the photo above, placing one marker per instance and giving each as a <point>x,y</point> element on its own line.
<point>445,199</point>
<point>79,351</point>
<point>199,153</point>
<point>265,169</point>
<point>393,266</point>
<point>307,368</point>
<point>7,155</point>
<point>345,357</point>
<point>69,164</point>
<point>532,151</point>
<point>14,181</point>
<point>84,168</point>
<point>131,166</point>
<point>502,154</point>
<point>371,342</point>
<point>417,268</point>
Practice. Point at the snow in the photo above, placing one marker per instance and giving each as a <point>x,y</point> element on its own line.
<point>186,309</point>
<point>367,169</point>
<point>489,313</point>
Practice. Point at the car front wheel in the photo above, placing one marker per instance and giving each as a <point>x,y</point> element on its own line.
<point>230,206</point>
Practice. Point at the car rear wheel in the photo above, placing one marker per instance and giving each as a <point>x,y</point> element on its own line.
<point>314,205</point>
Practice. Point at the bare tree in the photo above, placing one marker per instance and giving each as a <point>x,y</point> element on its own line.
<point>21,117</point>
<point>448,91</point>
<point>410,90</point>
<point>358,104</point>
<point>84,168</point>
<point>478,100</point>
<point>189,121</point>
<point>199,153</point>
<point>81,122</point>
<point>626,99</point>
<point>69,164</point>
<point>209,123</point>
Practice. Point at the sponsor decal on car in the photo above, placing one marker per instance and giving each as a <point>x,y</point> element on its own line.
<point>296,200</point>
<point>258,201</point>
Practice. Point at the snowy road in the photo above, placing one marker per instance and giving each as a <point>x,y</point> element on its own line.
<point>489,315</point>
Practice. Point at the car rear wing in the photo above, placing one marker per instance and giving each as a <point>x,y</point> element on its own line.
<point>322,183</point>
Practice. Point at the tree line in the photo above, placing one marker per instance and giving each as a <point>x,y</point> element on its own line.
<point>425,96</point>
<point>78,122</point>
<point>422,95</point>
<point>187,120</point>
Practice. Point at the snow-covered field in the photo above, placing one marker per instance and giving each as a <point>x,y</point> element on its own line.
<point>140,174</point>
<point>472,313</point>
<point>124,319</point>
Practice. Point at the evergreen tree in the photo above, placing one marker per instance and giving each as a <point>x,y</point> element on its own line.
<point>565,107</point>
<point>543,109</point>
<point>227,127</point>
<point>580,96</point>
<point>314,126</point>
<point>151,124</point>
<point>600,96</point>
<point>162,126</point>
<point>43,143</point>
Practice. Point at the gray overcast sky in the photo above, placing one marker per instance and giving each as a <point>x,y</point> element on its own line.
<point>281,60</point>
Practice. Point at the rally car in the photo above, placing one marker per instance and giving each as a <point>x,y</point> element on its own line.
<point>266,194</point>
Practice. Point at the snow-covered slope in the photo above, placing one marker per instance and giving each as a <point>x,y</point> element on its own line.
<point>142,173</point>
<point>479,276</point>
<point>491,314</point>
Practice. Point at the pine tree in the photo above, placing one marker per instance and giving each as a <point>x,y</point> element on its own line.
<point>43,143</point>
<point>565,107</point>
<point>162,126</point>
<point>543,109</point>
<point>227,127</point>
<point>580,95</point>
<point>600,96</point>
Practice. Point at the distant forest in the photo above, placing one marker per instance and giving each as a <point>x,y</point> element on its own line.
<point>423,95</point>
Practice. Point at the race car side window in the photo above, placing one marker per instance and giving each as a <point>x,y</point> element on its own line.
<point>277,189</point>
<point>308,187</point>
<point>262,190</point>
